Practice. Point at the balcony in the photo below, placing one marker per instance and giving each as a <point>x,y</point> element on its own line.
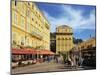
<point>36,34</point>
<point>47,26</point>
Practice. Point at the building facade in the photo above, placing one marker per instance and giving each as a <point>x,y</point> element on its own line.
<point>64,38</point>
<point>29,26</point>
<point>86,44</point>
<point>87,51</point>
<point>53,42</point>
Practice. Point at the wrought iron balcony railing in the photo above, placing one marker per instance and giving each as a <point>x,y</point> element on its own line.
<point>36,34</point>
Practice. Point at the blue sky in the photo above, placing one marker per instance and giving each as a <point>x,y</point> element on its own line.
<point>80,17</point>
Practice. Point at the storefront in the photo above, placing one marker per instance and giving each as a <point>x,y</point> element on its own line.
<point>29,56</point>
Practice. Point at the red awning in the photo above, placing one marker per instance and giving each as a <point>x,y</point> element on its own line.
<point>31,51</point>
<point>23,51</point>
<point>46,52</point>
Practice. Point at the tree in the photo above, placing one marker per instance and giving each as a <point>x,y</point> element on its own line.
<point>76,41</point>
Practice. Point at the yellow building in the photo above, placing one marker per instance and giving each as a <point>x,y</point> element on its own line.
<point>85,50</point>
<point>29,26</point>
<point>90,43</point>
<point>64,38</point>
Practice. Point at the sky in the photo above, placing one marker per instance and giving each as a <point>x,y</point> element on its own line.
<point>80,17</point>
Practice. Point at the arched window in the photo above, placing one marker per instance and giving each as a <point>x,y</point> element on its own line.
<point>69,38</point>
<point>62,38</point>
<point>66,39</point>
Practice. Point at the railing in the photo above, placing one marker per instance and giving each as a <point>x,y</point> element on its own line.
<point>36,34</point>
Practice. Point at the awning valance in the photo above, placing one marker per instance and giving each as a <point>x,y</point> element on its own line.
<point>31,51</point>
<point>23,51</point>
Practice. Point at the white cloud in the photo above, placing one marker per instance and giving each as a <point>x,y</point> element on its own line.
<point>72,18</point>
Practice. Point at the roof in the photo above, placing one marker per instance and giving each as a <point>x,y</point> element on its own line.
<point>64,26</point>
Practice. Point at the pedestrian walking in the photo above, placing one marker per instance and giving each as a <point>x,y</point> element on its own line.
<point>69,61</point>
<point>56,59</point>
<point>48,59</point>
<point>59,60</point>
<point>76,59</point>
<point>81,61</point>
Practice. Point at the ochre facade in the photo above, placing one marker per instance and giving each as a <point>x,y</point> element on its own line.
<point>86,44</point>
<point>29,26</point>
<point>64,38</point>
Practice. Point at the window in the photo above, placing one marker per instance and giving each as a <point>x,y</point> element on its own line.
<point>15,3</point>
<point>23,11</point>
<point>39,16</point>
<point>66,30</point>
<point>66,39</point>
<point>28,12</point>
<point>13,38</point>
<point>14,17</point>
<point>28,3</point>
<point>82,47</point>
<point>28,26</point>
<point>69,38</point>
<point>39,25</point>
<point>22,22</point>
<point>58,38</point>
<point>32,42</point>
<point>32,19</point>
<point>22,40</point>
<point>58,30</point>
<point>62,38</point>
<point>36,12</point>
<point>27,41</point>
<point>32,6</point>
<point>36,22</point>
